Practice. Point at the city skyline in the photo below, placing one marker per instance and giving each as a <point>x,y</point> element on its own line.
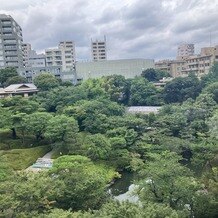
<point>134,29</point>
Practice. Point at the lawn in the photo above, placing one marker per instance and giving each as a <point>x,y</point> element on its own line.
<point>20,159</point>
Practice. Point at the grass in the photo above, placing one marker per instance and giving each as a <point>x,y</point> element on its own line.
<point>20,159</point>
<point>7,142</point>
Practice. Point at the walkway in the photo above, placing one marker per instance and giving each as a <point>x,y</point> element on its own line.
<point>42,163</point>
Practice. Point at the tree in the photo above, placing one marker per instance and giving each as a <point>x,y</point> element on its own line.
<point>83,183</point>
<point>37,123</point>
<point>6,74</point>
<point>117,87</point>
<point>141,92</point>
<point>165,180</point>
<point>153,75</point>
<point>62,129</point>
<point>97,147</point>
<point>46,81</point>
<point>180,89</point>
<point>15,80</point>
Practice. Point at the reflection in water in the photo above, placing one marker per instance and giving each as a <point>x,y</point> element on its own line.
<point>123,188</point>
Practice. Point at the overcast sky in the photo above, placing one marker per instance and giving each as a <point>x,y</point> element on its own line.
<point>134,28</point>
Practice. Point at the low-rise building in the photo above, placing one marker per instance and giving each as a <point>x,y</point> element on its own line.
<point>198,64</point>
<point>143,109</point>
<point>24,90</point>
<point>129,68</point>
<point>31,72</point>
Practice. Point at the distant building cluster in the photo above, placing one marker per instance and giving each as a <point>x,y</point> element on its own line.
<point>61,61</point>
<point>188,62</point>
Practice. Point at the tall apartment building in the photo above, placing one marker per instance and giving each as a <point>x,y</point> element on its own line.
<point>63,56</point>
<point>11,54</point>
<point>99,50</point>
<point>185,50</point>
<point>26,47</point>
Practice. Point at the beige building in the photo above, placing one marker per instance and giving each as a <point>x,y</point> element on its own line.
<point>198,64</point>
<point>185,50</point>
<point>163,65</point>
<point>63,56</point>
<point>99,50</point>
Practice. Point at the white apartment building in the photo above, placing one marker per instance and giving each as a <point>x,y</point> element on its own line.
<point>99,50</point>
<point>63,56</point>
<point>11,54</point>
<point>26,47</point>
<point>185,50</point>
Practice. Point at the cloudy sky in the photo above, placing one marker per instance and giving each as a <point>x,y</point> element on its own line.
<point>134,28</point>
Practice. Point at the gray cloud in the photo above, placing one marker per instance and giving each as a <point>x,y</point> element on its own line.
<point>134,29</point>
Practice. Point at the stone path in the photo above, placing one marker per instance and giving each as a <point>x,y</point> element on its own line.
<point>44,162</point>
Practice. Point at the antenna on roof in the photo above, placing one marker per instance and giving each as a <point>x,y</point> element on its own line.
<point>210,38</point>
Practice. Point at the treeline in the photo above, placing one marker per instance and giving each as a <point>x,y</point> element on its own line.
<point>173,153</point>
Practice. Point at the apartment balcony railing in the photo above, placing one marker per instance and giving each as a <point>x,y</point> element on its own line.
<point>6,23</point>
<point>11,59</point>
<point>10,47</point>
<point>6,29</point>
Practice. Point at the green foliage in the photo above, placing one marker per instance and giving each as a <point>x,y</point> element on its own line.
<point>61,128</point>
<point>143,93</point>
<point>180,89</point>
<point>165,180</point>
<point>6,74</point>
<point>153,75</point>
<point>87,179</point>
<point>46,81</point>
<point>97,147</point>
<point>36,123</point>
<point>15,80</point>
<point>20,159</point>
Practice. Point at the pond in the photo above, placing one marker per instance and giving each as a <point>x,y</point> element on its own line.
<point>123,188</point>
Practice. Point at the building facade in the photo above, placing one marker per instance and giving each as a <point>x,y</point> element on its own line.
<point>26,47</point>
<point>99,50</point>
<point>185,50</point>
<point>198,64</point>
<point>63,56</point>
<point>11,39</point>
<point>129,68</point>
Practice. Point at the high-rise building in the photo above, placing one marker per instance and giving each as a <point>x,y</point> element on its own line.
<point>26,47</point>
<point>63,56</point>
<point>11,54</point>
<point>99,50</point>
<point>185,50</point>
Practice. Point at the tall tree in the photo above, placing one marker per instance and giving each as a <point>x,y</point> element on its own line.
<point>46,81</point>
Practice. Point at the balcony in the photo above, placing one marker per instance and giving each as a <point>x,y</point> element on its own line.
<point>10,47</point>
<point>11,53</point>
<point>6,29</point>
<point>11,59</point>
<point>6,23</point>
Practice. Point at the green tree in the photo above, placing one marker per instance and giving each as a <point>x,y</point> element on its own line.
<point>36,123</point>
<point>6,74</point>
<point>87,179</point>
<point>15,80</point>
<point>141,92</point>
<point>46,81</point>
<point>165,180</point>
<point>62,129</point>
<point>180,89</point>
<point>97,147</point>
